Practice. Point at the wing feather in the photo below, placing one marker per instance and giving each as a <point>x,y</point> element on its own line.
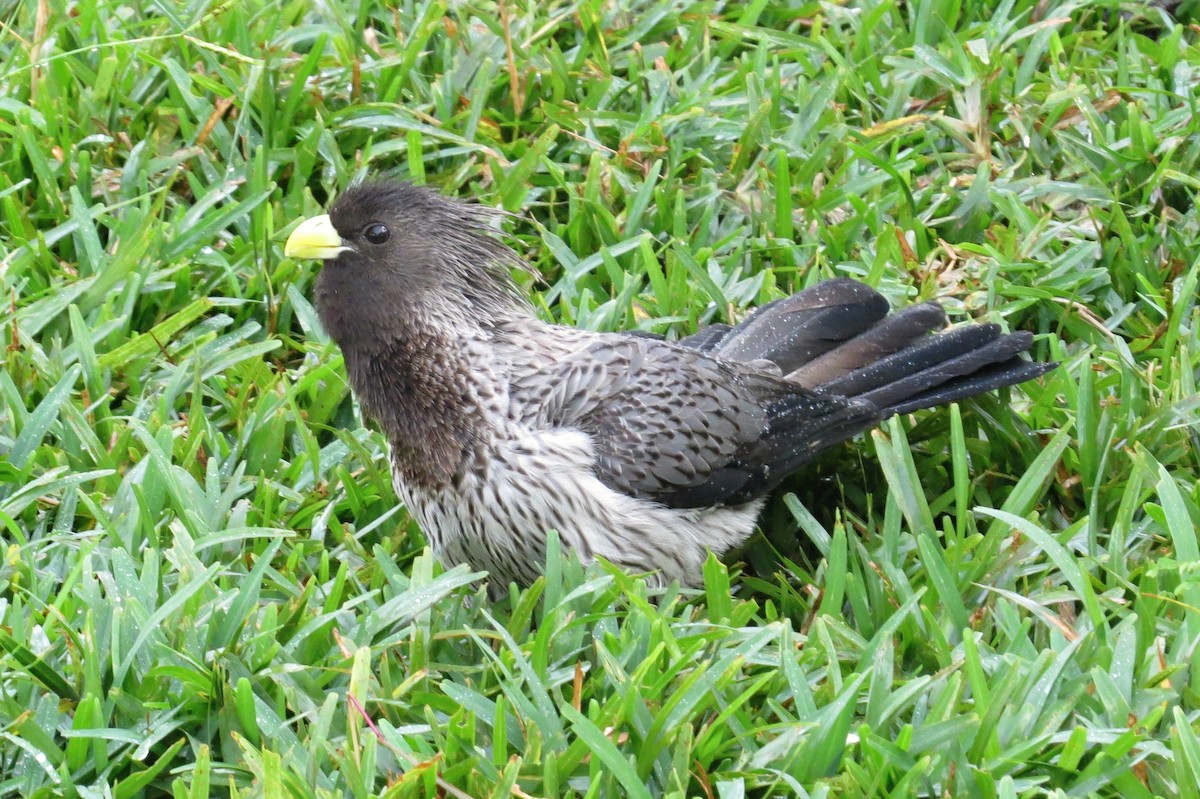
<point>673,424</point>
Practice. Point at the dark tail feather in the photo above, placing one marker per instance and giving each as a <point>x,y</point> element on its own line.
<point>938,373</point>
<point>1010,373</point>
<point>708,338</point>
<point>792,331</point>
<point>891,335</point>
<point>914,360</point>
<point>836,337</point>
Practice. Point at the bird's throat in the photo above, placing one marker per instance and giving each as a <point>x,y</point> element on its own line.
<point>410,360</point>
<point>421,390</point>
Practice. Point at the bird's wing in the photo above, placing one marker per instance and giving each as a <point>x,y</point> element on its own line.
<point>678,426</point>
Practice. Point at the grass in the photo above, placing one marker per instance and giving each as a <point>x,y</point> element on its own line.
<point>207,588</point>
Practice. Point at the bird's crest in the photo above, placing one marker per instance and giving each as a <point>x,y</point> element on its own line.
<point>465,236</point>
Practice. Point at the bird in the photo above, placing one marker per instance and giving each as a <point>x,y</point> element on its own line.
<point>647,452</point>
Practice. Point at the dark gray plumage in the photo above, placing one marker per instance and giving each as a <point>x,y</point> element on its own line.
<point>643,451</point>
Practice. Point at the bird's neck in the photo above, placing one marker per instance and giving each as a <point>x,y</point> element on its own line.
<point>427,384</point>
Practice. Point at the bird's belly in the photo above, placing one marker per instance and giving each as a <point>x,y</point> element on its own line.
<point>496,517</point>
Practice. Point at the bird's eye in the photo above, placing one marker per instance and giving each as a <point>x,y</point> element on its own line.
<point>377,233</point>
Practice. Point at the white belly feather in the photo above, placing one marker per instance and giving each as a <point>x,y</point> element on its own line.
<point>497,517</point>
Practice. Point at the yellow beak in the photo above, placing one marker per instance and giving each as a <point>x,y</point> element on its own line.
<point>315,238</point>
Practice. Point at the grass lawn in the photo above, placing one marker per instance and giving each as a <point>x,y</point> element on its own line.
<point>207,588</point>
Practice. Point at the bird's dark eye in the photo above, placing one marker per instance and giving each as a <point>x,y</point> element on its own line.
<point>377,233</point>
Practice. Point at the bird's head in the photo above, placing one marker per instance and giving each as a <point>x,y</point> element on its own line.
<point>395,252</point>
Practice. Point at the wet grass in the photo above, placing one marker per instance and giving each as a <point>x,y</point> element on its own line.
<point>207,587</point>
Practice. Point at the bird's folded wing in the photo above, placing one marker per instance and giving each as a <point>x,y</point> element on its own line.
<point>672,424</point>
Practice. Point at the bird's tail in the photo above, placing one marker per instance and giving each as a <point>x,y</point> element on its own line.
<point>838,337</point>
